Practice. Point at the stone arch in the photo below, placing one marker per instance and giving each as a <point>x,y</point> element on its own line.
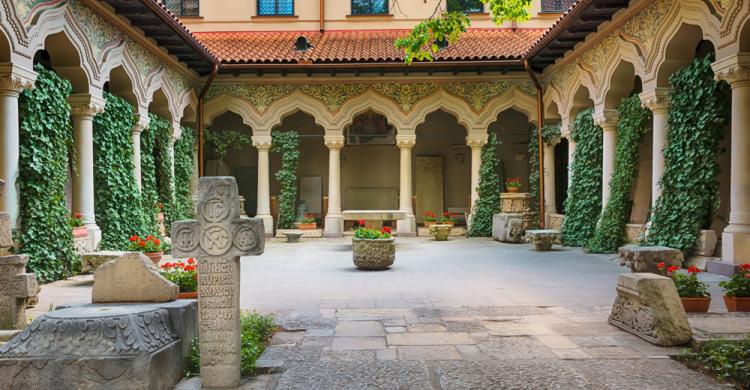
<point>160,105</point>
<point>444,101</point>
<point>370,101</point>
<point>624,54</point>
<point>122,84</point>
<point>619,85</point>
<point>67,61</point>
<point>552,102</point>
<point>744,36</point>
<point>581,99</point>
<point>513,99</point>
<point>290,104</point>
<point>5,46</point>
<point>119,67</point>
<point>227,103</point>
<point>188,107</point>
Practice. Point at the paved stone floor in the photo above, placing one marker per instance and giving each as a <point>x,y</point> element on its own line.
<point>462,314</point>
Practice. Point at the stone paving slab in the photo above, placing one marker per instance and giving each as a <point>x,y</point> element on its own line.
<point>430,352</point>
<point>357,343</point>
<point>444,338</point>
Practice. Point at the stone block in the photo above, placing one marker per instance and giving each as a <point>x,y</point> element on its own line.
<point>555,221</point>
<point>131,278</point>
<point>722,268</point>
<point>101,347</point>
<point>635,232</point>
<point>647,305</point>
<point>543,239</point>
<point>508,227</point>
<point>91,261</point>
<point>706,243</point>
<point>6,234</point>
<point>645,258</point>
<point>515,202</point>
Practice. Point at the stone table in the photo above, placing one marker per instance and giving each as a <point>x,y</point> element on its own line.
<point>543,239</point>
<point>218,238</point>
<point>645,258</point>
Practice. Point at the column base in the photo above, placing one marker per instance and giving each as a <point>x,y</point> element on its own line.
<point>334,226</point>
<point>267,224</point>
<point>407,227</point>
<point>735,246</point>
<point>95,236</point>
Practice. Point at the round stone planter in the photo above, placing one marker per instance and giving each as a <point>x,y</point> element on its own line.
<point>155,256</point>
<point>373,254</point>
<point>696,305</point>
<point>737,303</point>
<point>441,231</point>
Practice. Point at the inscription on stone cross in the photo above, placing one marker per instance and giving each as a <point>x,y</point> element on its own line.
<point>218,238</point>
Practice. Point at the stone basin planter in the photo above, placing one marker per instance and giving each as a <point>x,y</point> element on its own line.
<point>696,305</point>
<point>441,231</point>
<point>543,239</point>
<point>737,303</point>
<point>371,254</point>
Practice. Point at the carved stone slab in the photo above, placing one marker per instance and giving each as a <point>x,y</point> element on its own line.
<point>101,347</point>
<point>218,238</point>
<point>131,278</point>
<point>645,258</point>
<point>507,227</point>
<point>16,288</point>
<point>511,202</point>
<point>647,305</point>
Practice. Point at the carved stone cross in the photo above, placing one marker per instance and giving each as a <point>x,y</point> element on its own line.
<point>218,238</point>
<point>16,287</point>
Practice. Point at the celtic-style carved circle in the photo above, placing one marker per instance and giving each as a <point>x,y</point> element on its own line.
<point>245,239</point>
<point>185,238</point>
<point>216,240</point>
<point>215,209</point>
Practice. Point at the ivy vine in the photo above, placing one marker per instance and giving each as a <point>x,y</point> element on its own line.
<point>287,143</point>
<point>164,160</point>
<point>119,212</point>
<point>46,138</point>
<point>634,122</point>
<point>584,201</point>
<point>550,137</point>
<point>488,202</point>
<point>149,194</point>
<point>184,152</point>
<point>698,121</point>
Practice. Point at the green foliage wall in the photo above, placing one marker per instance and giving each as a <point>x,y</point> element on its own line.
<point>164,160</point>
<point>149,194</point>
<point>46,140</point>
<point>119,211</point>
<point>287,143</point>
<point>184,150</point>
<point>698,120</point>
<point>633,124</point>
<point>489,191</point>
<point>550,136</point>
<point>584,202</point>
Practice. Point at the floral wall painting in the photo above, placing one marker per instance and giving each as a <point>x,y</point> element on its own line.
<point>370,128</point>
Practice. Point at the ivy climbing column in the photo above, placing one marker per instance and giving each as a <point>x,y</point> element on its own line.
<point>476,142</point>
<point>334,221</point>
<point>657,100</point>
<point>13,80</point>
<point>405,143</point>
<point>736,237</point>
<point>263,144</point>
<point>607,120</point>
<point>83,109</point>
<point>549,177</point>
<point>565,133</point>
<point>140,125</point>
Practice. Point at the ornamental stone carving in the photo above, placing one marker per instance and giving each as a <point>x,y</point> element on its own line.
<point>333,95</point>
<point>406,141</point>
<point>656,100</point>
<point>14,79</point>
<point>334,142</point>
<point>606,119</point>
<point>735,69</point>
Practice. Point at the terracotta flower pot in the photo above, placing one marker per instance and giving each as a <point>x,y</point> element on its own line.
<point>373,254</point>
<point>737,303</point>
<point>188,295</point>
<point>81,231</point>
<point>155,256</point>
<point>696,305</point>
<point>307,226</point>
<point>513,189</point>
<point>427,224</point>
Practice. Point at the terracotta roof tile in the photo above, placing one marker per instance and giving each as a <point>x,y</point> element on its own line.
<point>360,45</point>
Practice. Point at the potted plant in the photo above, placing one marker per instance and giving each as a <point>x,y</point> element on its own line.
<point>693,293</point>
<point>184,275</point>
<point>373,249</point>
<point>513,184</point>
<point>151,246</point>
<point>737,290</point>
<point>447,219</point>
<point>429,218</point>
<point>78,227</point>
<point>308,222</point>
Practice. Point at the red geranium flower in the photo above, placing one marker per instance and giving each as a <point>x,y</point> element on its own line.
<point>191,260</point>
<point>157,242</point>
<point>190,268</point>
<point>361,222</point>
<point>745,267</point>
<point>133,238</point>
<point>660,265</point>
<point>78,216</point>
<point>672,268</point>
<point>386,229</point>
<point>142,243</point>
<point>693,270</point>
<point>150,237</point>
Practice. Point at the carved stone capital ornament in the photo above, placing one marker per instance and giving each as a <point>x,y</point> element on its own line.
<point>406,141</point>
<point>476,141</point>
<point>607,119</point>
<point>85,105</point>
<point>13,79</point>
<point>335,142</point>
<point>140,125</point>
<point>656,100</point>
<point>734,69</point>
<point>262,142</point>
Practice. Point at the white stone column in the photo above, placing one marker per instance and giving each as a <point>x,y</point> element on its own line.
<point>140,125</point>
<point>736,236</point>
<point>12,81</point>
<point>263,144</point>
<point>565,131</point>
<point>476,142</point>
<point>334,221</point>
<point>607,120</point>
<point>408,226</point>
<point>550,205</point>
<point>83,109</point>
<point>657,100</point>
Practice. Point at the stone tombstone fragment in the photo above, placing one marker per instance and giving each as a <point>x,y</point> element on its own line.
<point>218,238</point>
<point>647,305</point>
<point>645,258</point>
<point>131,278</point>
<point>16,288</point>
<point>6,237</point>
<point>508,227</point>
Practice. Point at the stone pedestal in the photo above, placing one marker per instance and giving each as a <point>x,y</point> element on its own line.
<point>635,232</point>
<point>101,347</point>
<point>441,232</point>
<point>648,306</point>
<point>512,202</point>
<point>645,258</point>
<point>543,239</point>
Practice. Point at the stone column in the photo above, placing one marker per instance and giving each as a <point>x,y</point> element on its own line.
<point>13,80</point>
<point>550,206</point>
<point>83,109</point>
<point>566,133</point>
<point>334,221</point>
<point>735,239</point>
<point>657,100</point>
<point>607,120</point>
<point>140,125</point>
<point>263,144</point>
<point>475,142</point>
<point>408,226</point>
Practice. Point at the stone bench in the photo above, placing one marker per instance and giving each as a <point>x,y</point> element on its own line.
<point>292,237</point>
<point>376,216</point>
<point>543,239</point>
<point>645,258</point>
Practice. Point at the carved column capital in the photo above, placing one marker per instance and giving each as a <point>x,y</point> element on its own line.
<point>334,142</point>
<point>607,119</point>
<point>656,100</point>
<point>141,124</point>
<point>85,105</point>
<point>14,79</point>
<point>476,141</point>
<point>406,141</point>
<point>734,69</point>
<point>262,142</point>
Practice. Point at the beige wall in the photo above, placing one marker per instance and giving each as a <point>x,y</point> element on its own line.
<point>233,15</point>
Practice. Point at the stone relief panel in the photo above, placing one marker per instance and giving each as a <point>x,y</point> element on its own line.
<point>28,9</point>
<point>102,37</point>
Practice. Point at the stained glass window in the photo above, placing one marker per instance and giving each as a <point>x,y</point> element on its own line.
<point>365,7</point>
<point>275,7</point>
